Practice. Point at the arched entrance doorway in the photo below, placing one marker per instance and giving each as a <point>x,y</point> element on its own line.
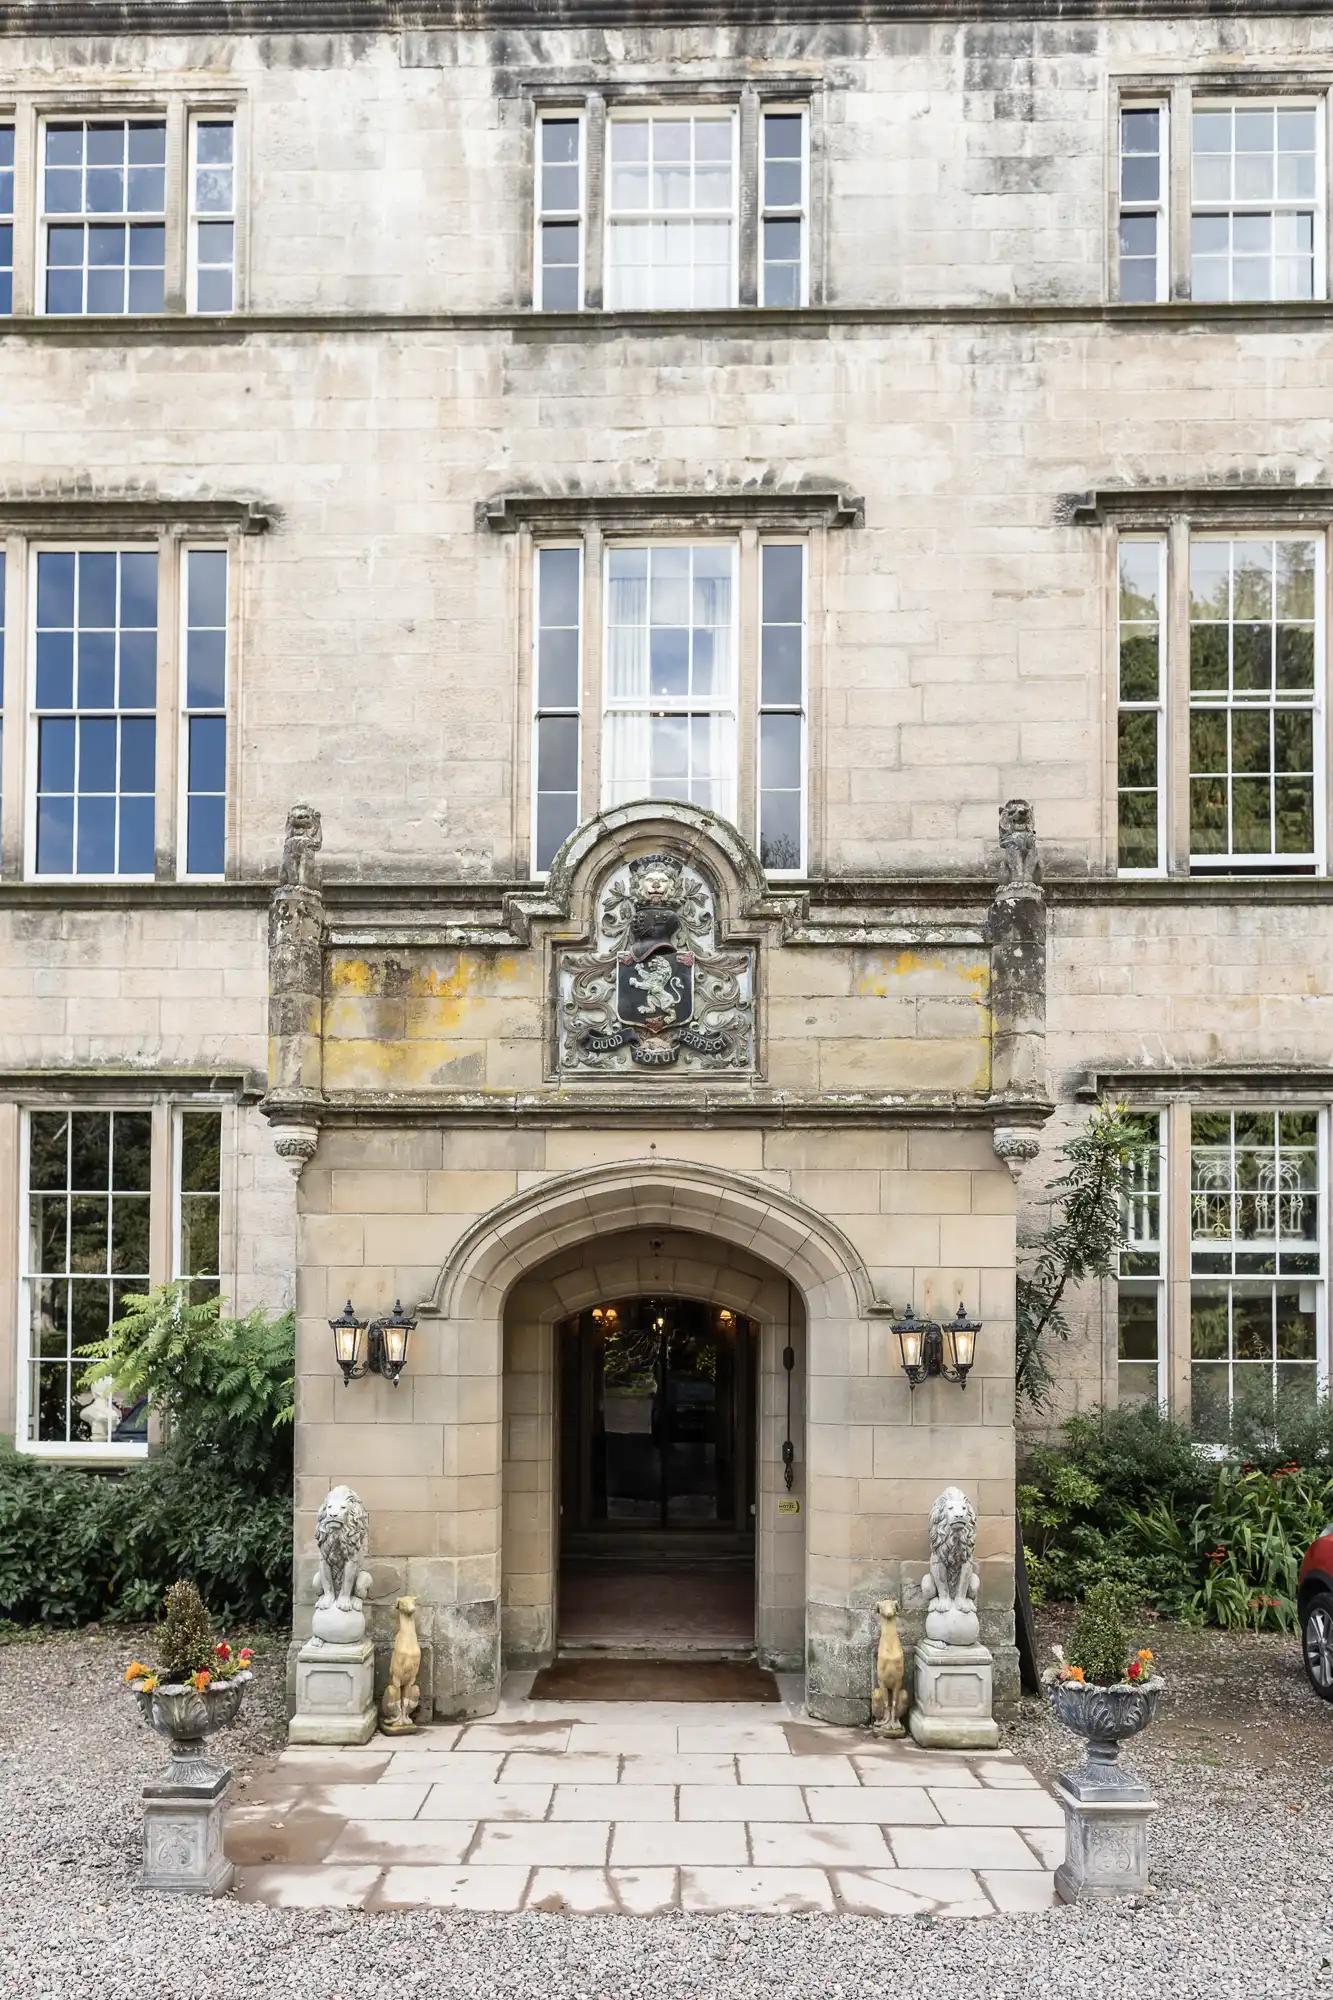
<point>657,1448</point>
<point>661,1495</point>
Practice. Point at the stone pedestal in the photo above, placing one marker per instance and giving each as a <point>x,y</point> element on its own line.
<point>952,1705</point>
<point>335,1693</point>
<point>1106,1834</point>
<point>182,1834</point>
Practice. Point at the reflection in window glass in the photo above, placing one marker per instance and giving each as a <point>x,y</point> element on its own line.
<point>560,214</point>
<point>1255,669</point>
<point>86,1246</point>
<point>199,1201</point>
<point>96,687</point>
<point>670,722</point>
<point>783,220</point>
<point>557,670</point>
<point>671,211</point>
<point>213,214</point>
<point>104,215</point>
<point>782,707</point>
<point>6,218</point>
<point>1256,203</point>
<point>205,718</point>
<point>1256,1263</point>
<point>1142,566</point>
<point>1143,262</point>
<point>1140,1292</point>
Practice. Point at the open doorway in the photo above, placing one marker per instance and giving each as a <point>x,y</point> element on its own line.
<point>657,1479</point>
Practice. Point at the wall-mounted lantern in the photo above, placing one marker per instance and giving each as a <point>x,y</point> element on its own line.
<point>929,1347</point>
<point>386,1343</point>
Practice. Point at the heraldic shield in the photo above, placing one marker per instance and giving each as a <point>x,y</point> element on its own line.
<point>655,991</point>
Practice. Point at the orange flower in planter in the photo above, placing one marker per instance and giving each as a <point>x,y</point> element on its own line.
<point>135,1671</point>
<point>201,1680</point>
<point>1072,1674</point>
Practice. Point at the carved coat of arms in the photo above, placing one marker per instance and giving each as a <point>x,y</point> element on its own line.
<point>654,991</point>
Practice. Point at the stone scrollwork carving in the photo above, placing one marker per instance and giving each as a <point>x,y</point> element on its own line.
<point>1015,1145</point>
<point>654,992</point>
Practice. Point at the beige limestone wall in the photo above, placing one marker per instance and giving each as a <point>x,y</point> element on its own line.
<point>852,1217</point>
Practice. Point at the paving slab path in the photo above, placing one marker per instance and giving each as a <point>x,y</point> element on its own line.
<point>635,1809</point>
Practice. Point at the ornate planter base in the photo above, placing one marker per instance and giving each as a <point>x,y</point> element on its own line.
<point>1106,1834</point>
<point>954,1695</point>
<point>335,1693</point>
<point>182,1835</point>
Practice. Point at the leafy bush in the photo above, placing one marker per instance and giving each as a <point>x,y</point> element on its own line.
<point>224,1386</point>
<point>1080,1241</point>
<point>1237,1556</point>
<point>1099,1643</point>
<point>185,1636</point>
<point>213,1506</point>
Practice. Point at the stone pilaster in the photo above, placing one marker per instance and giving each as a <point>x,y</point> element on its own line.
<point>295,999</point>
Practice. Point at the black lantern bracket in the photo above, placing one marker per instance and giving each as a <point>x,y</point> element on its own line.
<point>386,1340</point>
<point>930,1347</point>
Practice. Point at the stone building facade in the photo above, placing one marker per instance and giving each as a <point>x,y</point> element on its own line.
<point>651,487</point>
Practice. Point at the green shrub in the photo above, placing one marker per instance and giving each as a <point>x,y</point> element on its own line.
<point>78,1545</point>
<point>213,1506</point>
<point>1099,1643</point>
<point>185,1636</point>
<point>1237,1555</point>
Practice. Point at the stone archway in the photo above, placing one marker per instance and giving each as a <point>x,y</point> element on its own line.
<point>688,1265</point>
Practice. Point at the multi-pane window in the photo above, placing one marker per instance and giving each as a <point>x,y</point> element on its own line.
<point>560,213</point>
<point>782,707</point>
<point>671,210</point>
<point>1256,1262</point>
<point>1140,1291</point>
<point>556,670</point>
<point>198,1248</point>
<point>1143,193</point>
<point>212,218</point>
<point>86,1241</point>
<point>1140,662</point>
<point>1255,667</point>
<point>669,729</point>
<point>204,724</point>
<point>2,664</point>
<point>783,200</point>
<point>96,723</point>
<point>6,218</point>
<point>104,215</point>
<point>1256,206</point>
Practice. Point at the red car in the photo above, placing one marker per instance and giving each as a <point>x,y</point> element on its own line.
<point>1314,1603</point>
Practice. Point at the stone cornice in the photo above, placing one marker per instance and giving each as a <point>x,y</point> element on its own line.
<point>700,1104</point>
<point>82,511</point>
<point>1231,505</point>
<point>705,508</point>
<point>126,1080</point>
<point>729,323</point>
<point>1271,1082</point>
<point>361,17</point>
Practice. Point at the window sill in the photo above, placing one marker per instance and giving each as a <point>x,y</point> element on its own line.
<point>111,1455</point>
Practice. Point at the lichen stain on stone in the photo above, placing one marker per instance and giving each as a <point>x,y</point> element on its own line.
<point>883,974</point>
<point>404,1066</point>
<point>471,975</point>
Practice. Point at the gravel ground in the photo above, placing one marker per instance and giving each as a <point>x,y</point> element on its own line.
<point>1241,1759</point>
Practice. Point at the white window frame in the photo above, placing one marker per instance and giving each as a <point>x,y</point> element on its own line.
<point>762,709</point>
<point>1320,1281</point>
<point>1315,863</point>
<point>539,874</point>
<point>1160,209</point>
<point>1159,707</point>
<point>689,706</point>
<point>550,114</point>
<point>671,114</point>
<point>109,113</point>
<point>1212,100</point>
<point>1140,1285</point>
<point>116,545</point>
<point>75,1451</point>
<point>800,214</point>
<point>184,713</point>
<point>197,116</point>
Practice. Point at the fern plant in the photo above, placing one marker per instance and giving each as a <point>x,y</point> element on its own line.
<point>1081,1240</point>
<point>224,1386</point>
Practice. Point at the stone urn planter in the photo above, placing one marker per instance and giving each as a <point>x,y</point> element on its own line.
<point>182,1834</point>
<point>1106,1810</point>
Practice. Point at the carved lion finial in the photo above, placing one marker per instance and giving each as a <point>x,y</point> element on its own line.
<point>1020,857</point>
<point>301,843</point>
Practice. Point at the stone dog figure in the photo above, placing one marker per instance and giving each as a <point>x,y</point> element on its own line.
<point>888,1700</point>
<point>402,1696</point>
<point>952,1584</point>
